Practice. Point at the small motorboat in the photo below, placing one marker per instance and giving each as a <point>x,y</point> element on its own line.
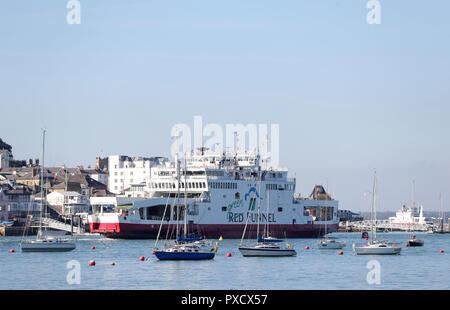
<point>332,244</point>
<point>413,242</point>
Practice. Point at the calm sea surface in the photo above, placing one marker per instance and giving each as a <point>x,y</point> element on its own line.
<point>415,268</point>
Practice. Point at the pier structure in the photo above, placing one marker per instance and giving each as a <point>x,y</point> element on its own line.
<point>386,225</point>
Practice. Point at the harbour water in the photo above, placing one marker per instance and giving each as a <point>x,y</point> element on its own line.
<point>422,268</point>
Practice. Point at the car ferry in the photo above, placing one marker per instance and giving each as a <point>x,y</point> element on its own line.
<point>221,193</point>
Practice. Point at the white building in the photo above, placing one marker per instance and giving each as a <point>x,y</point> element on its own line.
<point>5,158</point>
<point>98,175</point>
<point>125,171</point>
<point>68,202</point>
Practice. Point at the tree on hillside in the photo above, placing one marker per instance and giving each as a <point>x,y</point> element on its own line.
<point>5,146</point>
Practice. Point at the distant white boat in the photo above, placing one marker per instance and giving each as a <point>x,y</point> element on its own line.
<point>48,244</point>
<point>411,218</point>
<point>331,243</point>
<point>376,247</point>
<point>328,243</point>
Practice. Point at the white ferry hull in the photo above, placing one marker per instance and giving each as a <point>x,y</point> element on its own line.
<point>214,231</point>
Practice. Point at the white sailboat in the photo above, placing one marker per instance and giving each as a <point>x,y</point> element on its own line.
<point>266,246</point>
<point>43,242</point>
<point>376,247</point>
<point>186,247</point>
<point>328,243</point>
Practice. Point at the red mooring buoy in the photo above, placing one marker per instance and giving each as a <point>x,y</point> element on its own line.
<point>153,253</point>
<point>92,263</point>
<point>307,248</point>
<point>113,264</point>
<point>441,251</point>
<point>229,255</point>
<point>341,253</point>
<point>142,258</point>
<point>93,248</point>
<point>11,251</point>
<point>407,245</point>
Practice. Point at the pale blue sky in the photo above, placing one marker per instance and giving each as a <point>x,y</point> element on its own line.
<point>349,97</point>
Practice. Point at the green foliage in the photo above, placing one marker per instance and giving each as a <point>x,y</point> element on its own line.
<point>5,146</point>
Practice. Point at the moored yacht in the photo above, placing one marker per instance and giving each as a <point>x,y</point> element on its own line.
<point>374,246</point>
<point>44,242</point>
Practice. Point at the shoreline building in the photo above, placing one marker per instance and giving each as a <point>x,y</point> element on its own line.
<point>5,158</point>
<point>3,204</point>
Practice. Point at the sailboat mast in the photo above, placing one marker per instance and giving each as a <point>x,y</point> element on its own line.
<point>326,211</point>
<point>374,214</point>
<point>259,199</point>
<point>42,182</point>
<point>185,196</point>
<point>178,196</point>
<point>267,215</point>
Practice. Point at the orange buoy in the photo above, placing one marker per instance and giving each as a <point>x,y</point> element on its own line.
<point>229,255</point>
<point>341,253</point>
<point>92,263</point>
<point>11,251</point>
<point>142,258</point>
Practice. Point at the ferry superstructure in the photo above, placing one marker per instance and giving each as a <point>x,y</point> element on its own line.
<point>410,218</point>
<point>221,192</point>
